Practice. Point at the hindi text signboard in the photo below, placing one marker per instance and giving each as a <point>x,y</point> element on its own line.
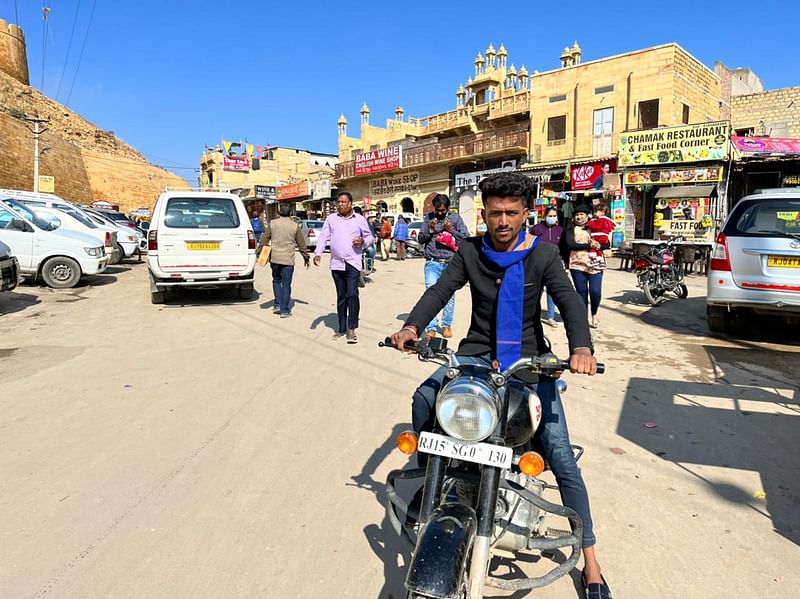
<point>293,190</point>
<point>390,185</point>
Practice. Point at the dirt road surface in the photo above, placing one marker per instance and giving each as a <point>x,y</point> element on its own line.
<point>208,448</point>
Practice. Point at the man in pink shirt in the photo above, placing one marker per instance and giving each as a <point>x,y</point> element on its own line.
<point>349,235</point>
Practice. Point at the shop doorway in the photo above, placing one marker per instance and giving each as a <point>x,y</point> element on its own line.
<point>466,209</point>
<point>762,181</point>
<point>407,205</point>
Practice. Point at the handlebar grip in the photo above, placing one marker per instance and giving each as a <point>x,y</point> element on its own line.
<point>387,342</point>
<point>601,368</point>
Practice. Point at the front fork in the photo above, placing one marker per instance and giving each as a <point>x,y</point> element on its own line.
<point>487,504</point>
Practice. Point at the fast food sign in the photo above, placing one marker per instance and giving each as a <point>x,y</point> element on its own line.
<point>669,145</point>
<point>376,161</point>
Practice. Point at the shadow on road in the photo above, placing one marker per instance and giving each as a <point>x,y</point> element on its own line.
<point>734,423</point>
<point>330,321</point>
<point>13,301</point>
<point>185,298</point>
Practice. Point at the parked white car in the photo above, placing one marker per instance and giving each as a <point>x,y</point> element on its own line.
<point>200,239</point>
<point>130,241</point>
<point>75,221</point>
<point>59,257</point>
<point>9,269</point>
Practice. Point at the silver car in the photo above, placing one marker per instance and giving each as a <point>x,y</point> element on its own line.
<point>311,230</point>
<point>755,263</point>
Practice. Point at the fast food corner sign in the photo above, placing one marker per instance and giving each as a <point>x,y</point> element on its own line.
<point>688,143</point>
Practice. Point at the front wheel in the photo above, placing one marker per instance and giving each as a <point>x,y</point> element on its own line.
<point>61,272</point>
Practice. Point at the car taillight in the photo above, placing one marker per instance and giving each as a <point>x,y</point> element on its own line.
<point>251,240</point>
<point>152,241</point>
<point>108,239</point>
<point>720,260</point>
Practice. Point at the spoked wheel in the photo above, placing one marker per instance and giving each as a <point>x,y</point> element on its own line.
<point>681,291</point>
<point>652,295</point>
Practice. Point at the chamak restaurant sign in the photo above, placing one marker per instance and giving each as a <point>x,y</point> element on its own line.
<point>669,145</point>
<point>379,160</point>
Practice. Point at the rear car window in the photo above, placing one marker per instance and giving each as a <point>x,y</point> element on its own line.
<point>314,224</point>
<point>768,218</point>
<point>196,213</point>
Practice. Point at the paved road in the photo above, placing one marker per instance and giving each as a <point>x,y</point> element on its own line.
<point>207,448</point>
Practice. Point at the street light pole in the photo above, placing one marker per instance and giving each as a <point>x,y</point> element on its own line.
<point>37,131</point>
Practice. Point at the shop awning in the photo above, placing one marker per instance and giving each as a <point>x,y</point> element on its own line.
<point>687,191</point>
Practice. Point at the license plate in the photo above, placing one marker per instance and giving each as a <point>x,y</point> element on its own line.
<point>196,246</point>
<point>784,261</point>
<point>479,453</point>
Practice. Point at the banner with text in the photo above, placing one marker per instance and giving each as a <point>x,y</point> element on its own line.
<point>236,163</point>
<point>379,160</point>
<point>590,176</point>
<point>393,184</point>
<point>688,218</point>
<point>688,143</point>
<point>766,145</point>
<point>293,190</point>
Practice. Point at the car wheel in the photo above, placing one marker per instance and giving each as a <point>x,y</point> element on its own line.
<point>121,252</point>
<point>719,319</point>
<point>157,297</point>
<point>61,272</point>
<point>246,292</point>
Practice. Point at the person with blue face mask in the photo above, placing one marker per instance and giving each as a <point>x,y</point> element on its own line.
<point>549,231</point>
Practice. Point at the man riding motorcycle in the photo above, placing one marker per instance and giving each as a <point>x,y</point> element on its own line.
<point>507,270</point>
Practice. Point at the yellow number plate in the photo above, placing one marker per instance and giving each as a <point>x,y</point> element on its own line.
<point>784,261</point>
<point>195,246</point>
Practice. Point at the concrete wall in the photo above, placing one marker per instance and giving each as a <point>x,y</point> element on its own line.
<point>775,113</point>
<point>13,56</point>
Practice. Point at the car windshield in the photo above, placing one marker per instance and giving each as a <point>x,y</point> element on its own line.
<point>30,215</point>
<point>76,214</point>
<point>195,213</point>
<point>770,218</point>
<point>117,216</point>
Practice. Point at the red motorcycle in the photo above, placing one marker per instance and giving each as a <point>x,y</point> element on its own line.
<point>657,271</point>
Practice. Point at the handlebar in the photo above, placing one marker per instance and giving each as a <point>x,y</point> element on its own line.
<point>547,364</point>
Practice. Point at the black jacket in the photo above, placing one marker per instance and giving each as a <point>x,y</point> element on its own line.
<point>543,268</point>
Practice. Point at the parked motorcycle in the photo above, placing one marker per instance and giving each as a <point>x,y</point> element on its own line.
<point>482,495</point>
<point>658,273</point>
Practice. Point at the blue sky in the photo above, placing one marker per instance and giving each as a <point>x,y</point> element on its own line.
<point>171,76</point>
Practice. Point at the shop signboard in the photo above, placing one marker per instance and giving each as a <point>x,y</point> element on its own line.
<point>266,191</point>
<point>766,145</point>
<point>47,184</point>
<point>791,180</point>
<point>389,185</point>
<point>669,145</point>
<point>236,163</point>
<point>465,180</point>
<point>690,218</point>
<point>590,176</point>
<point>322,189</point>
<point>293,190</point>
<point>710,174</point>
<point>376,161</point>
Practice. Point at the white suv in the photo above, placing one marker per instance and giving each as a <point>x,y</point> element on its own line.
<point>200,239</point>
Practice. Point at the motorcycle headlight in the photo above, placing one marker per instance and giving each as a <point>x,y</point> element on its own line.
<point>468,409</point>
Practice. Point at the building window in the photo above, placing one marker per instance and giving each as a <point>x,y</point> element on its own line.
<point>648,114</point>
<point>557,129</point>
<point>746,132</point>
<point>602,131</point>
<point>685,115</point>
<point>556,99</point>
<point>604,89</point>
<point>374,147</point>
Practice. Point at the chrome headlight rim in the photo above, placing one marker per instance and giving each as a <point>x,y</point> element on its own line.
<point>472,395</point>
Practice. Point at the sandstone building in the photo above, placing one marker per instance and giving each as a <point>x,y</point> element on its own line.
<point>88,163</point>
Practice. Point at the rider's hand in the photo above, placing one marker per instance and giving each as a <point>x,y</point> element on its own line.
<point>583,362</point>
<point>432,224</point>
<point>358,242</point>
<point>448,226</point>
<point>403,336</point>
<point>317,260</point>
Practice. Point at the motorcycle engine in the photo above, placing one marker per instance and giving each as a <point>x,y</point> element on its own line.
<point>515,518</point>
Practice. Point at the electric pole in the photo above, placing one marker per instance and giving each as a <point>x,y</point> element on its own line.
<point>37,131</point>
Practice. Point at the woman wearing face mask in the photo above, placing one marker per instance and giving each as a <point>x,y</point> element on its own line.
<point>549,231</point>
<point>586,275</point>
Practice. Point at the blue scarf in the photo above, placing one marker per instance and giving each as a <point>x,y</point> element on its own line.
<point>511,296</point>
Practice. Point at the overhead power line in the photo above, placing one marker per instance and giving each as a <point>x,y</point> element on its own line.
<point>69,48</point>
<point>80,58</point>
<point>45,29</point>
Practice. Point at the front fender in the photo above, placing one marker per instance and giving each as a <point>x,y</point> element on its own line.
<point>437,568</point>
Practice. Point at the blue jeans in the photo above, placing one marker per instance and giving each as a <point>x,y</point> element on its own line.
<point>553,436</point>
<point>434,270</point>
<point>370,252</point>
<point>347,302</point>
<point>588,285</point>
<point>551,307</point>
<point>282,286</point>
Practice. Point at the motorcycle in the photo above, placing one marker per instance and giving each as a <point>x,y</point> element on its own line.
<point>658,273</point>
<point>482,496</point>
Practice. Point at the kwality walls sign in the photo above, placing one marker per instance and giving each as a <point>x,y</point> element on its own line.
<point>670,145</point>
<point>376,161</point>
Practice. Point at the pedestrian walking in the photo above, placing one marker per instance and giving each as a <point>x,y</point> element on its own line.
<point>386,238</point>
<point>586,273</point>
<point>440,235</point>
<point>284,236</point>
<point>258,228</point>
<point>400,237</point>
<point>549,231</point>
<point>349,235</point>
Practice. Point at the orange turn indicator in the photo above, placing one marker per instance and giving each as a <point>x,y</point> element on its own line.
<point>407,442</point>
<point>531,463</point>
